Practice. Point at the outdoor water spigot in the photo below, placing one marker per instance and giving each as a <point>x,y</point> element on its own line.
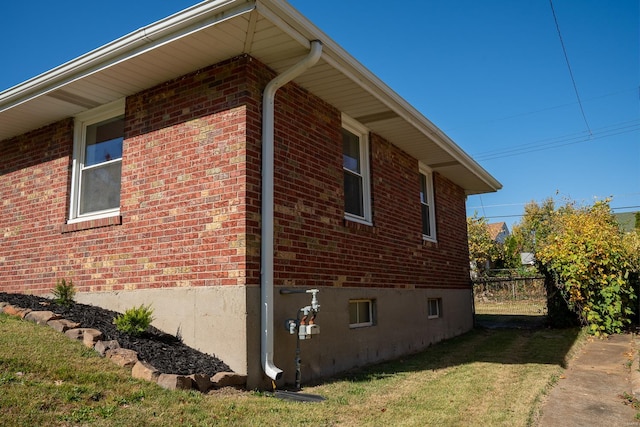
<point>314,299</point>
<point>307,326</point>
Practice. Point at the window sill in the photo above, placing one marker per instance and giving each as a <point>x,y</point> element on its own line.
<point>93,223</point>
<point>429,241</point>
<point>358,224</point>
<point>360,325</point>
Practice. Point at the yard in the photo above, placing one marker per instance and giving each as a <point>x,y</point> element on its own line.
<point>485,377</point>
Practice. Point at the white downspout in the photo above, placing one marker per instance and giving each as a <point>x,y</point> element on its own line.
<point>266,256</point>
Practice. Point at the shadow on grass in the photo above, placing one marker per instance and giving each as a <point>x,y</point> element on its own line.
<point>509,321</point>
<point>499,339</point>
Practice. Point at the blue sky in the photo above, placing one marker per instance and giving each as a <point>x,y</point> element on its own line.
<point>491,74</point>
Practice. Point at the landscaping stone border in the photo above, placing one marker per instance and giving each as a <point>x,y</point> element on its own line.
<point>92,338</point>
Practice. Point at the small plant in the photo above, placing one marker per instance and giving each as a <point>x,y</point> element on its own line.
<point>134,321</point>
<point>630,400</point>
<point>64,292</point>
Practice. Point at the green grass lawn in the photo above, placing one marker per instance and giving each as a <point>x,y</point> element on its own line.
<point>483,378</point>
<point>521,307</point>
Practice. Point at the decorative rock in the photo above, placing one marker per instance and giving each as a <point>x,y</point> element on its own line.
<point>229,379</point>
<point>23,312</point>
<point>102,346</point>
<point>175,382</point>
<point>16,311</point>
<point>91,337</point>
<point>10,310</point>
<point>75,333</point>
<point>41,317</point>
<point>122,357</point>
<point>62,325</point>
<point>201,382</point>
<point>88,336</point>
<point>144,371</point>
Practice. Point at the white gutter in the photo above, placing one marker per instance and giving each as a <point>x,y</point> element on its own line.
<point>174,27</point>
<point>300,28</point>
<point>266,257</point>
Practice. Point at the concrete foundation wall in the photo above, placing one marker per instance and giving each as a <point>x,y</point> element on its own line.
<point>401,327</point>
<point>210,319</point>
<point>225,321</point>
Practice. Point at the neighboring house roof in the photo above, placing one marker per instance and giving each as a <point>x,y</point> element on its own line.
<point>269,30</point>
<point>627,220</point>
<point>498,231</point>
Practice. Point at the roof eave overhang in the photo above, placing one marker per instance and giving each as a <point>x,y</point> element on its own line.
<point>391,116</point>
<point>133,44</point>
<point>340,59</point>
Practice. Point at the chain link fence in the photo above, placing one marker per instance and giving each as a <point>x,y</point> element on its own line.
<point>511,296</point>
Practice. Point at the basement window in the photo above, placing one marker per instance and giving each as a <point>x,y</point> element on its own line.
<point>97,163</point>
<point>435,308</point>
<point>361,312</point>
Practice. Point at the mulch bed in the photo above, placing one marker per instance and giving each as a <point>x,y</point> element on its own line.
<point>164,352</point>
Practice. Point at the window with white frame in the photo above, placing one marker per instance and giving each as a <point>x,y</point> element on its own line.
<point>97,163</point>
<point>361,312</point>
<point>434,307</point>
<point>426,204</point>
<point>355,163</point>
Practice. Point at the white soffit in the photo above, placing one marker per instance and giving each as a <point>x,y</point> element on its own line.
<point>212,31</point>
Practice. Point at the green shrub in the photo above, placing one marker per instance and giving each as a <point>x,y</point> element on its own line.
<point>586,255</point>
<point>134,321</point>
<point>64,292</point>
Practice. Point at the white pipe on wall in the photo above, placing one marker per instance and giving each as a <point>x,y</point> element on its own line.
<point>266,257</point>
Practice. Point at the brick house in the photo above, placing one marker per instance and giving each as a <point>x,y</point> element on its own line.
<point>218,161</point>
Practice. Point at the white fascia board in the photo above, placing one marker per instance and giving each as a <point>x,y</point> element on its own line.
<point>300,28</point>
<point>176,26</point>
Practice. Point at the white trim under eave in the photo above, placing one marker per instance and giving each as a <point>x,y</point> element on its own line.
<point>147,38</point>
<point>342,61</point>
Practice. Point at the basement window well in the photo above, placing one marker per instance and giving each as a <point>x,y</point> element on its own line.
<point>435,308</point>
<point>361,313</point>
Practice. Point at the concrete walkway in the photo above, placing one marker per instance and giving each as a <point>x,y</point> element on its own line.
<point>590,391</point>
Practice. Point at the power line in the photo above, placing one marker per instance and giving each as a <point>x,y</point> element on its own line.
<point>566,57</point>
<point>634,90</point>
<point>550,143</point>
<point>556,139</point>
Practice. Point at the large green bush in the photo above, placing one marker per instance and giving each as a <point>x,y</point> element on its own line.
<point>592,264</point>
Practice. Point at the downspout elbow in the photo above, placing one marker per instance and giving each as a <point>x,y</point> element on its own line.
<point>267,238</point>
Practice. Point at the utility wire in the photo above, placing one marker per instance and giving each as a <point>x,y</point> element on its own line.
<point>550,143</point>
<point>566,57</point>
<point>630,126</point>
<point>635,90</point>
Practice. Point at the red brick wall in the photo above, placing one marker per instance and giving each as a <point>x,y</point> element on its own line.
<point>316,246</point>
<point>190,199</point>
<point>34,180</point>
<point>185,183</point>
